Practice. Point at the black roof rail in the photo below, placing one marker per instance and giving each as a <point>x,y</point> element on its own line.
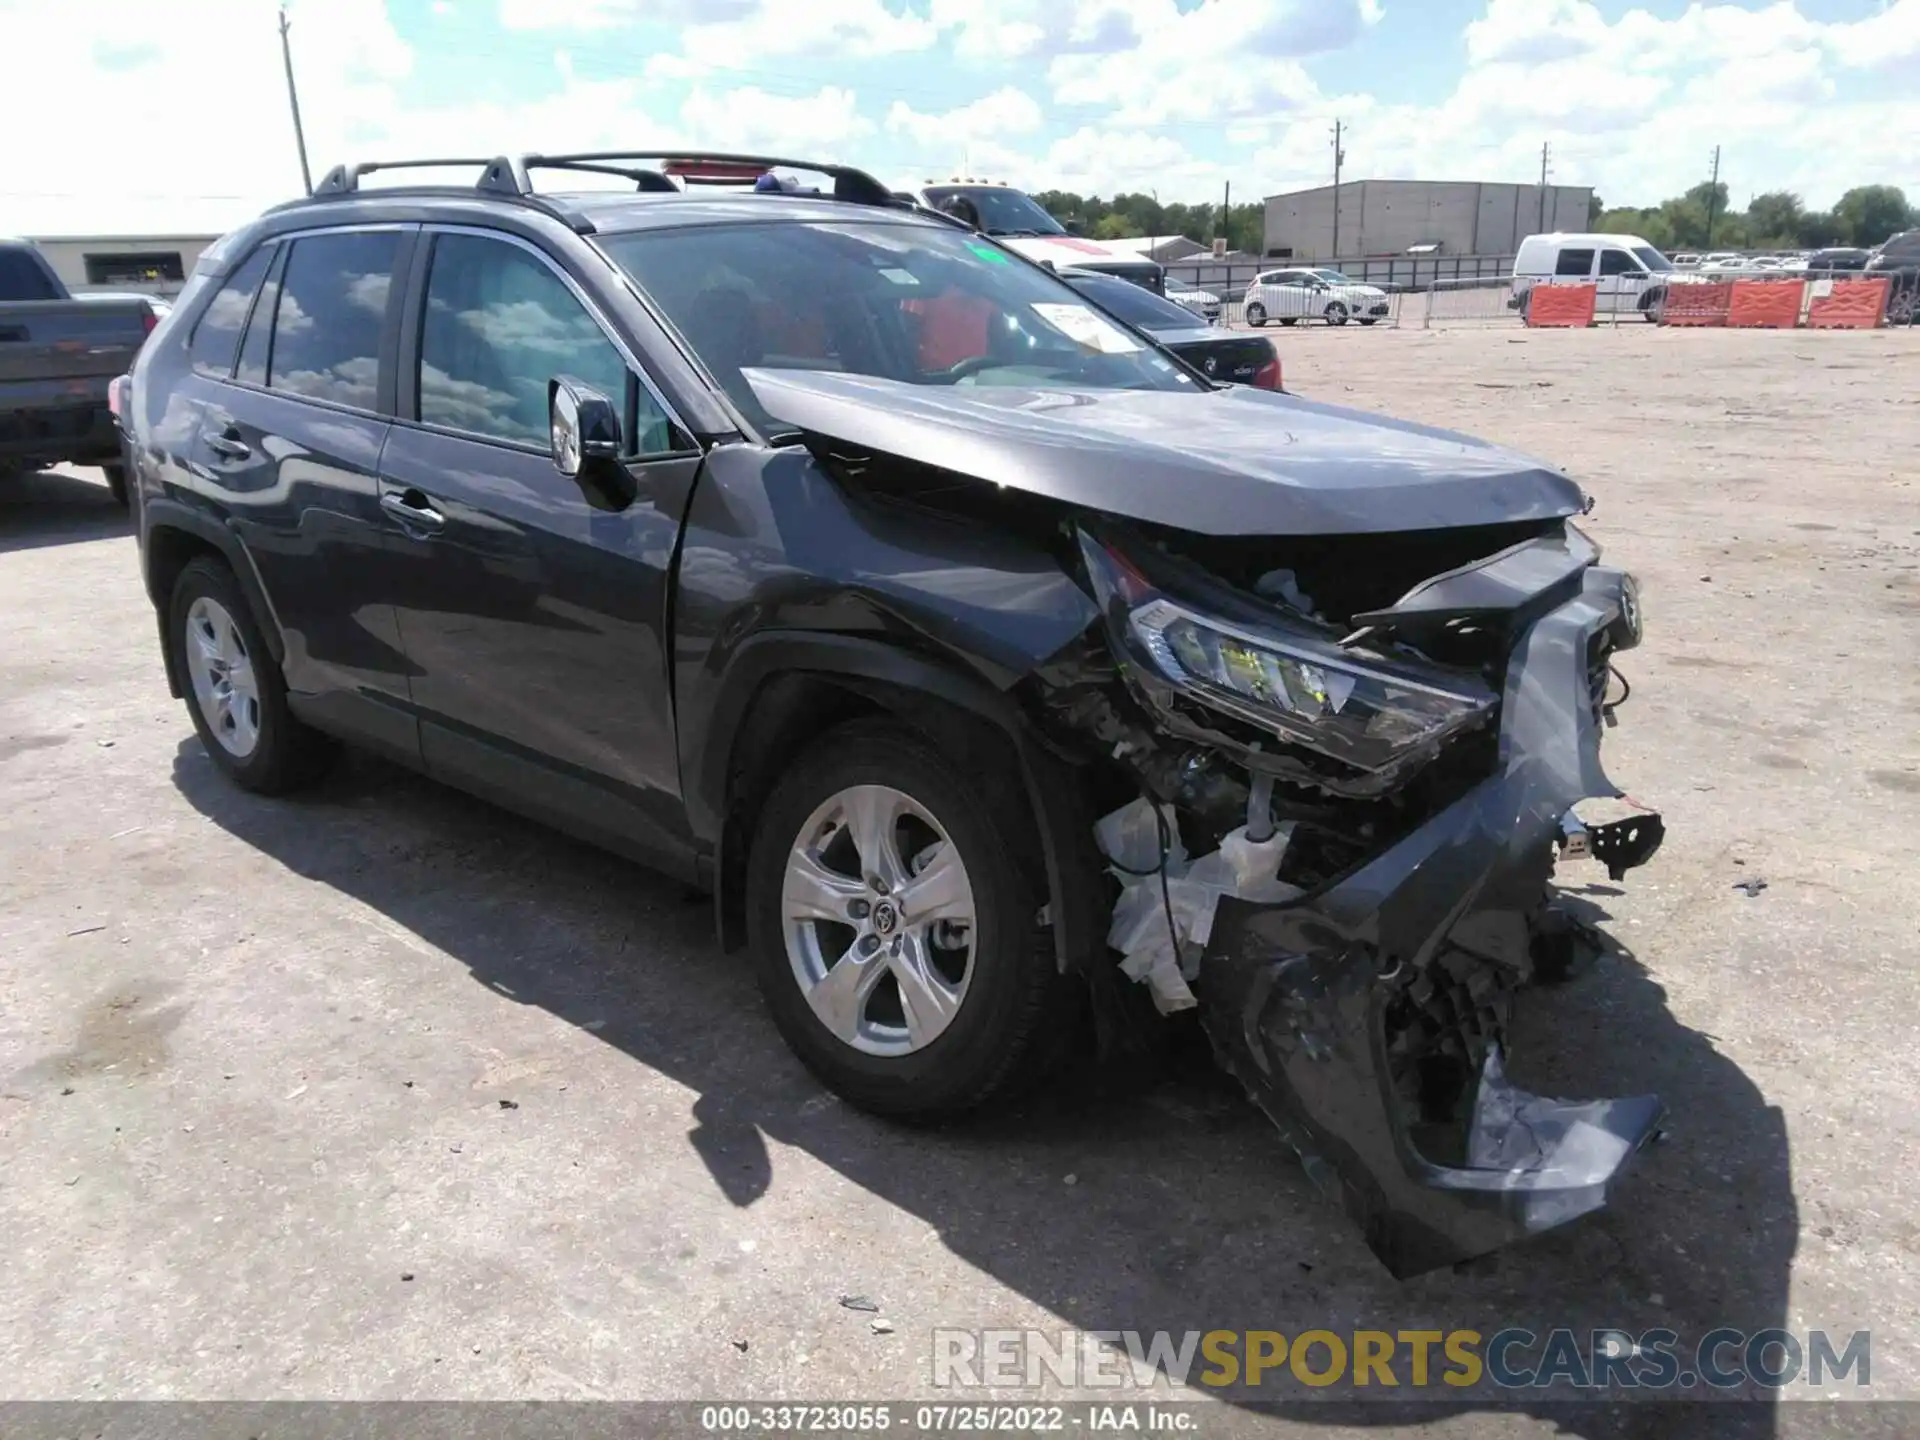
<point>345,179</point>
<point>509,177</point>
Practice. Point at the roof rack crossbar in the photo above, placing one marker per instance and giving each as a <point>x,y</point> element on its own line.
<point>850,184</point>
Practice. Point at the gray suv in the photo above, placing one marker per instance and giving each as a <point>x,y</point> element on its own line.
<point>995,671</point>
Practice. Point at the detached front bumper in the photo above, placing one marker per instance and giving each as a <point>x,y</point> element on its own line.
<point>1306,1001</point>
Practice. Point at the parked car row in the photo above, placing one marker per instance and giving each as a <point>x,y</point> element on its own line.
<point>939,620</point>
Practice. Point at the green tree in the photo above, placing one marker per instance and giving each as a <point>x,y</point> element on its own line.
<point>1775,219</point>
<point>1114,227</point>
<point>1868,214</point>
<point>1596,207</point>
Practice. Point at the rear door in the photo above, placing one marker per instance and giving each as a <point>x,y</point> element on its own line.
<point>535,622</point>
<point>289,448</point>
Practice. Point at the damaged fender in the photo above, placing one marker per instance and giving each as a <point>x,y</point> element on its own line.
<point>1295,996</point>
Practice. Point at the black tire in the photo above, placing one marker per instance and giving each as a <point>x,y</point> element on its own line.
<point>1016,1005</point>
<point>1336,314</point>
<point>287,754</point>
<point>1290,320</point>
<point>1652,304</point>
<point>116,483</point>
<point>1369,319</point>
<point>1257,315</point>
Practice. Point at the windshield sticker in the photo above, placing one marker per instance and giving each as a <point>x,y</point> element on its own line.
<point>1088,330</point>
<point>989,253</point>
<point>901,277</point>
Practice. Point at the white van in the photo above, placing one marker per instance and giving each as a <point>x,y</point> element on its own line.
<point>1627,273</point>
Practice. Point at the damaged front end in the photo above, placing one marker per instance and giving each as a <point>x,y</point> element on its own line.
<point>1377,794</point>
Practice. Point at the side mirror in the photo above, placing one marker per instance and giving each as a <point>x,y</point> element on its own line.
<point>584,431</point>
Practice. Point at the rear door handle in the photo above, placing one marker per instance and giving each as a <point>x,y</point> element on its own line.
<point>227,443</point>
<point>412,509</point>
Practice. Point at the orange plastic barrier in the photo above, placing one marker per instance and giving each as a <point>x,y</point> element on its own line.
<point>1853,305</point>
<point>1764,304</point>
<point>1568,305</point>
<point>1697,304</point>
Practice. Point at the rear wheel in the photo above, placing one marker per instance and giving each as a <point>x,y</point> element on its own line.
<point>1336,314</point>
<point>234,690</point>
<point>1257,315</point>
<point>894,926</point>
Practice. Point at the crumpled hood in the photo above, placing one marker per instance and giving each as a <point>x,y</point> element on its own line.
<point>1223,462</point>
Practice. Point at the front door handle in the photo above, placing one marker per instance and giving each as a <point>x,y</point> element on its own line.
<point>412,509</point>
<point>227,443</point>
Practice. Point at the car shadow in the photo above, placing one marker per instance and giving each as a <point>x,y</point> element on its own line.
<point>56,507</point>
<point>1155,1199</point>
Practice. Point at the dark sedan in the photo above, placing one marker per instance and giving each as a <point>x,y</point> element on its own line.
<point>1221,355</point>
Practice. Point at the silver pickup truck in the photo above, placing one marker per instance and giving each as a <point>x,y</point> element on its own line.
<point>58,357</point>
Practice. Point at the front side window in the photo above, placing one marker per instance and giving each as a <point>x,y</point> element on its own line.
<point>1001,211</point>
<point>499,325</point>
<point>1619,262</point>
<point>217,334</point>
<point>1332,277</point>
<point>906,302</point>
<point>331,311</point>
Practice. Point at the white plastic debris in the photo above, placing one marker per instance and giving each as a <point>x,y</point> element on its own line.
<point>1164,916</point>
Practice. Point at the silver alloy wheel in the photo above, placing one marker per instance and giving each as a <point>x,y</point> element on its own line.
<point>878,914</point>
<point>224,684</point>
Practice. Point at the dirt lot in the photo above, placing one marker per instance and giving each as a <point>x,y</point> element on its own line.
<point>383,1094</point>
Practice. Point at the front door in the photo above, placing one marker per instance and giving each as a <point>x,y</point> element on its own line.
<point>534,620</point>
<point>289,440</point>
<point>1621,281</point>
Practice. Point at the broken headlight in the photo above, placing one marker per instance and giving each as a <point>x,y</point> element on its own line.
<point>1368,712</point>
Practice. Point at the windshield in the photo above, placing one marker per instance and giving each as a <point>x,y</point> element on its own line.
<point>1002,211</point>
<point>915,303</point>
<point>1132,304</point>
<point>1652,259</point>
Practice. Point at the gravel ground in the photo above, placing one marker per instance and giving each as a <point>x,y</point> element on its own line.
<point>382,1094</point>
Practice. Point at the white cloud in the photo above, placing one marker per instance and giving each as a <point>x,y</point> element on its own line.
<point>750,119</point>
<point>1007,111</point>
<point>1224,59</point>
<point>839,30</point>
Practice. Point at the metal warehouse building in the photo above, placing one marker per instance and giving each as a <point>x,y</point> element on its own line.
<point>1392,217</point>
<point>154,264</point>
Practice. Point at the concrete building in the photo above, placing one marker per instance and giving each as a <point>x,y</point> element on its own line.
<point>1392,217</point>
<point>152,264</point>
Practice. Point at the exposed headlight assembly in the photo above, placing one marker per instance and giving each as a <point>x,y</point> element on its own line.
<point>1300,686</point>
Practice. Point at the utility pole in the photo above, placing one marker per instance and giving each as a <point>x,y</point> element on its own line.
<point>1339,159</point>
<point>293,100</point>
<point>1545,150</point>
<point>1713,195</point>
<point>1225,231</point>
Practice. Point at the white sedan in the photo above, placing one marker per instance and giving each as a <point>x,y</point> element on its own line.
<point>1293,295</point>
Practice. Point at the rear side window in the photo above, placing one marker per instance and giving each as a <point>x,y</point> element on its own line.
<point>329,316</point>
<point>1617,262</point>
<point>217,334</point>
<point>1576,264</point>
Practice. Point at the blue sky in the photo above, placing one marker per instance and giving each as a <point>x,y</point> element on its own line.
<point>1173,96</point>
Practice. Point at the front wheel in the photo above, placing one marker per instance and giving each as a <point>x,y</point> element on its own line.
<point>116,483</point>
<point>1653,305</point>
<point>895,928</point>
<point>1257,315</point>
<point>1336,314</point>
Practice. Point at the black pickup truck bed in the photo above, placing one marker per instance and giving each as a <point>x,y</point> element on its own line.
<point>58,355</point>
